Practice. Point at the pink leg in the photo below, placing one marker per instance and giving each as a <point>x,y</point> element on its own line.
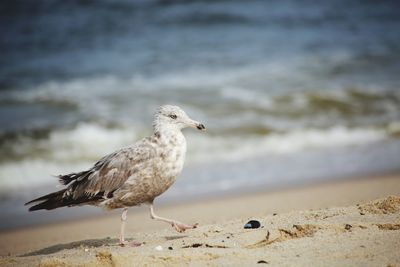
<point>122,240</point>
<point>180,227</point>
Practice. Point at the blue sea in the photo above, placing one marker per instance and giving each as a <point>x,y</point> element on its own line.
<point>291,92</point>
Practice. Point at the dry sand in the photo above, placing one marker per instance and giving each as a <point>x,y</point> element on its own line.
<point>300,227</point>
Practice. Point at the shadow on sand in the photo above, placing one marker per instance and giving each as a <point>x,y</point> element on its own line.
<point>89,243</point>
<point>83,243</point>
<point>174,237</point>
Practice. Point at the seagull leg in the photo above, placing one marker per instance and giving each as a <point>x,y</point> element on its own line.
<point>180,227</point>
<point>122,241</point>
<point>123,221</point>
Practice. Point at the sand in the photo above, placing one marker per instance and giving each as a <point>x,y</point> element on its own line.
<point>352,222</point>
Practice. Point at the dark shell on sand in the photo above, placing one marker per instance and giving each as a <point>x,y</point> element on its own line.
<point>253,224</point>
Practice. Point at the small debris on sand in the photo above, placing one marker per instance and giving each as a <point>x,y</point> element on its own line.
<point>253,224</point>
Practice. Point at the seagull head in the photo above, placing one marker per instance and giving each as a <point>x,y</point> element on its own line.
<point>174,118</point>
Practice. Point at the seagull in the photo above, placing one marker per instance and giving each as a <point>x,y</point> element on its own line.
<point>132,175</point>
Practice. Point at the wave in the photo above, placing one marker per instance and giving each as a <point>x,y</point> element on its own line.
<point>237,147</point>
<point>84,142</point>
<point>212,94</point>
<point>78,148</point>
<point>31,161</point>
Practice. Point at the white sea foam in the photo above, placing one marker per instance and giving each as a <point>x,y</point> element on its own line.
<point>62,152</point>
<point>84,142</point>
<point>88,141</point>
<point>81,90</point>
<point>76,149</point>
<point>237,147</point>
<point>251,88</point>
<point>26,174</point>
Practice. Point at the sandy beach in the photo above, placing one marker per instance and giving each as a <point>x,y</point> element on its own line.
<point>353,222</point>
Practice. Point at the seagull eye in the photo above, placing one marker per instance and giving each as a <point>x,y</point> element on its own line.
<point>173,116</point>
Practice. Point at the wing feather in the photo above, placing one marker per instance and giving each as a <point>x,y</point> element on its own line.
<point>111,172</point>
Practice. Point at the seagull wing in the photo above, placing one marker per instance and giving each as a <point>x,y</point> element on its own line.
<point>99,182</point>
<point>111,172</point>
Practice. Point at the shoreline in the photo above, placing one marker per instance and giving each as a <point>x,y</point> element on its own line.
<point>212,211</point>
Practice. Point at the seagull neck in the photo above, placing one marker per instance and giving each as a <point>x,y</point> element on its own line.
<point>168,133</point>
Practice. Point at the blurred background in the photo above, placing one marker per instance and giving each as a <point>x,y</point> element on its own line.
<point>291,92</point>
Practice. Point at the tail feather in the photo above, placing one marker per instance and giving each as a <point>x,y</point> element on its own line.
<point>57,200</point>
<point>45,197</point>
<point>49,201</point>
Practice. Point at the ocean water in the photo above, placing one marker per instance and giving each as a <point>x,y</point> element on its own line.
<point>290,91</point>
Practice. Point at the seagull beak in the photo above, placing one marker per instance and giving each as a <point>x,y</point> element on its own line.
<point>197,125</point>
<point>201,127</point>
